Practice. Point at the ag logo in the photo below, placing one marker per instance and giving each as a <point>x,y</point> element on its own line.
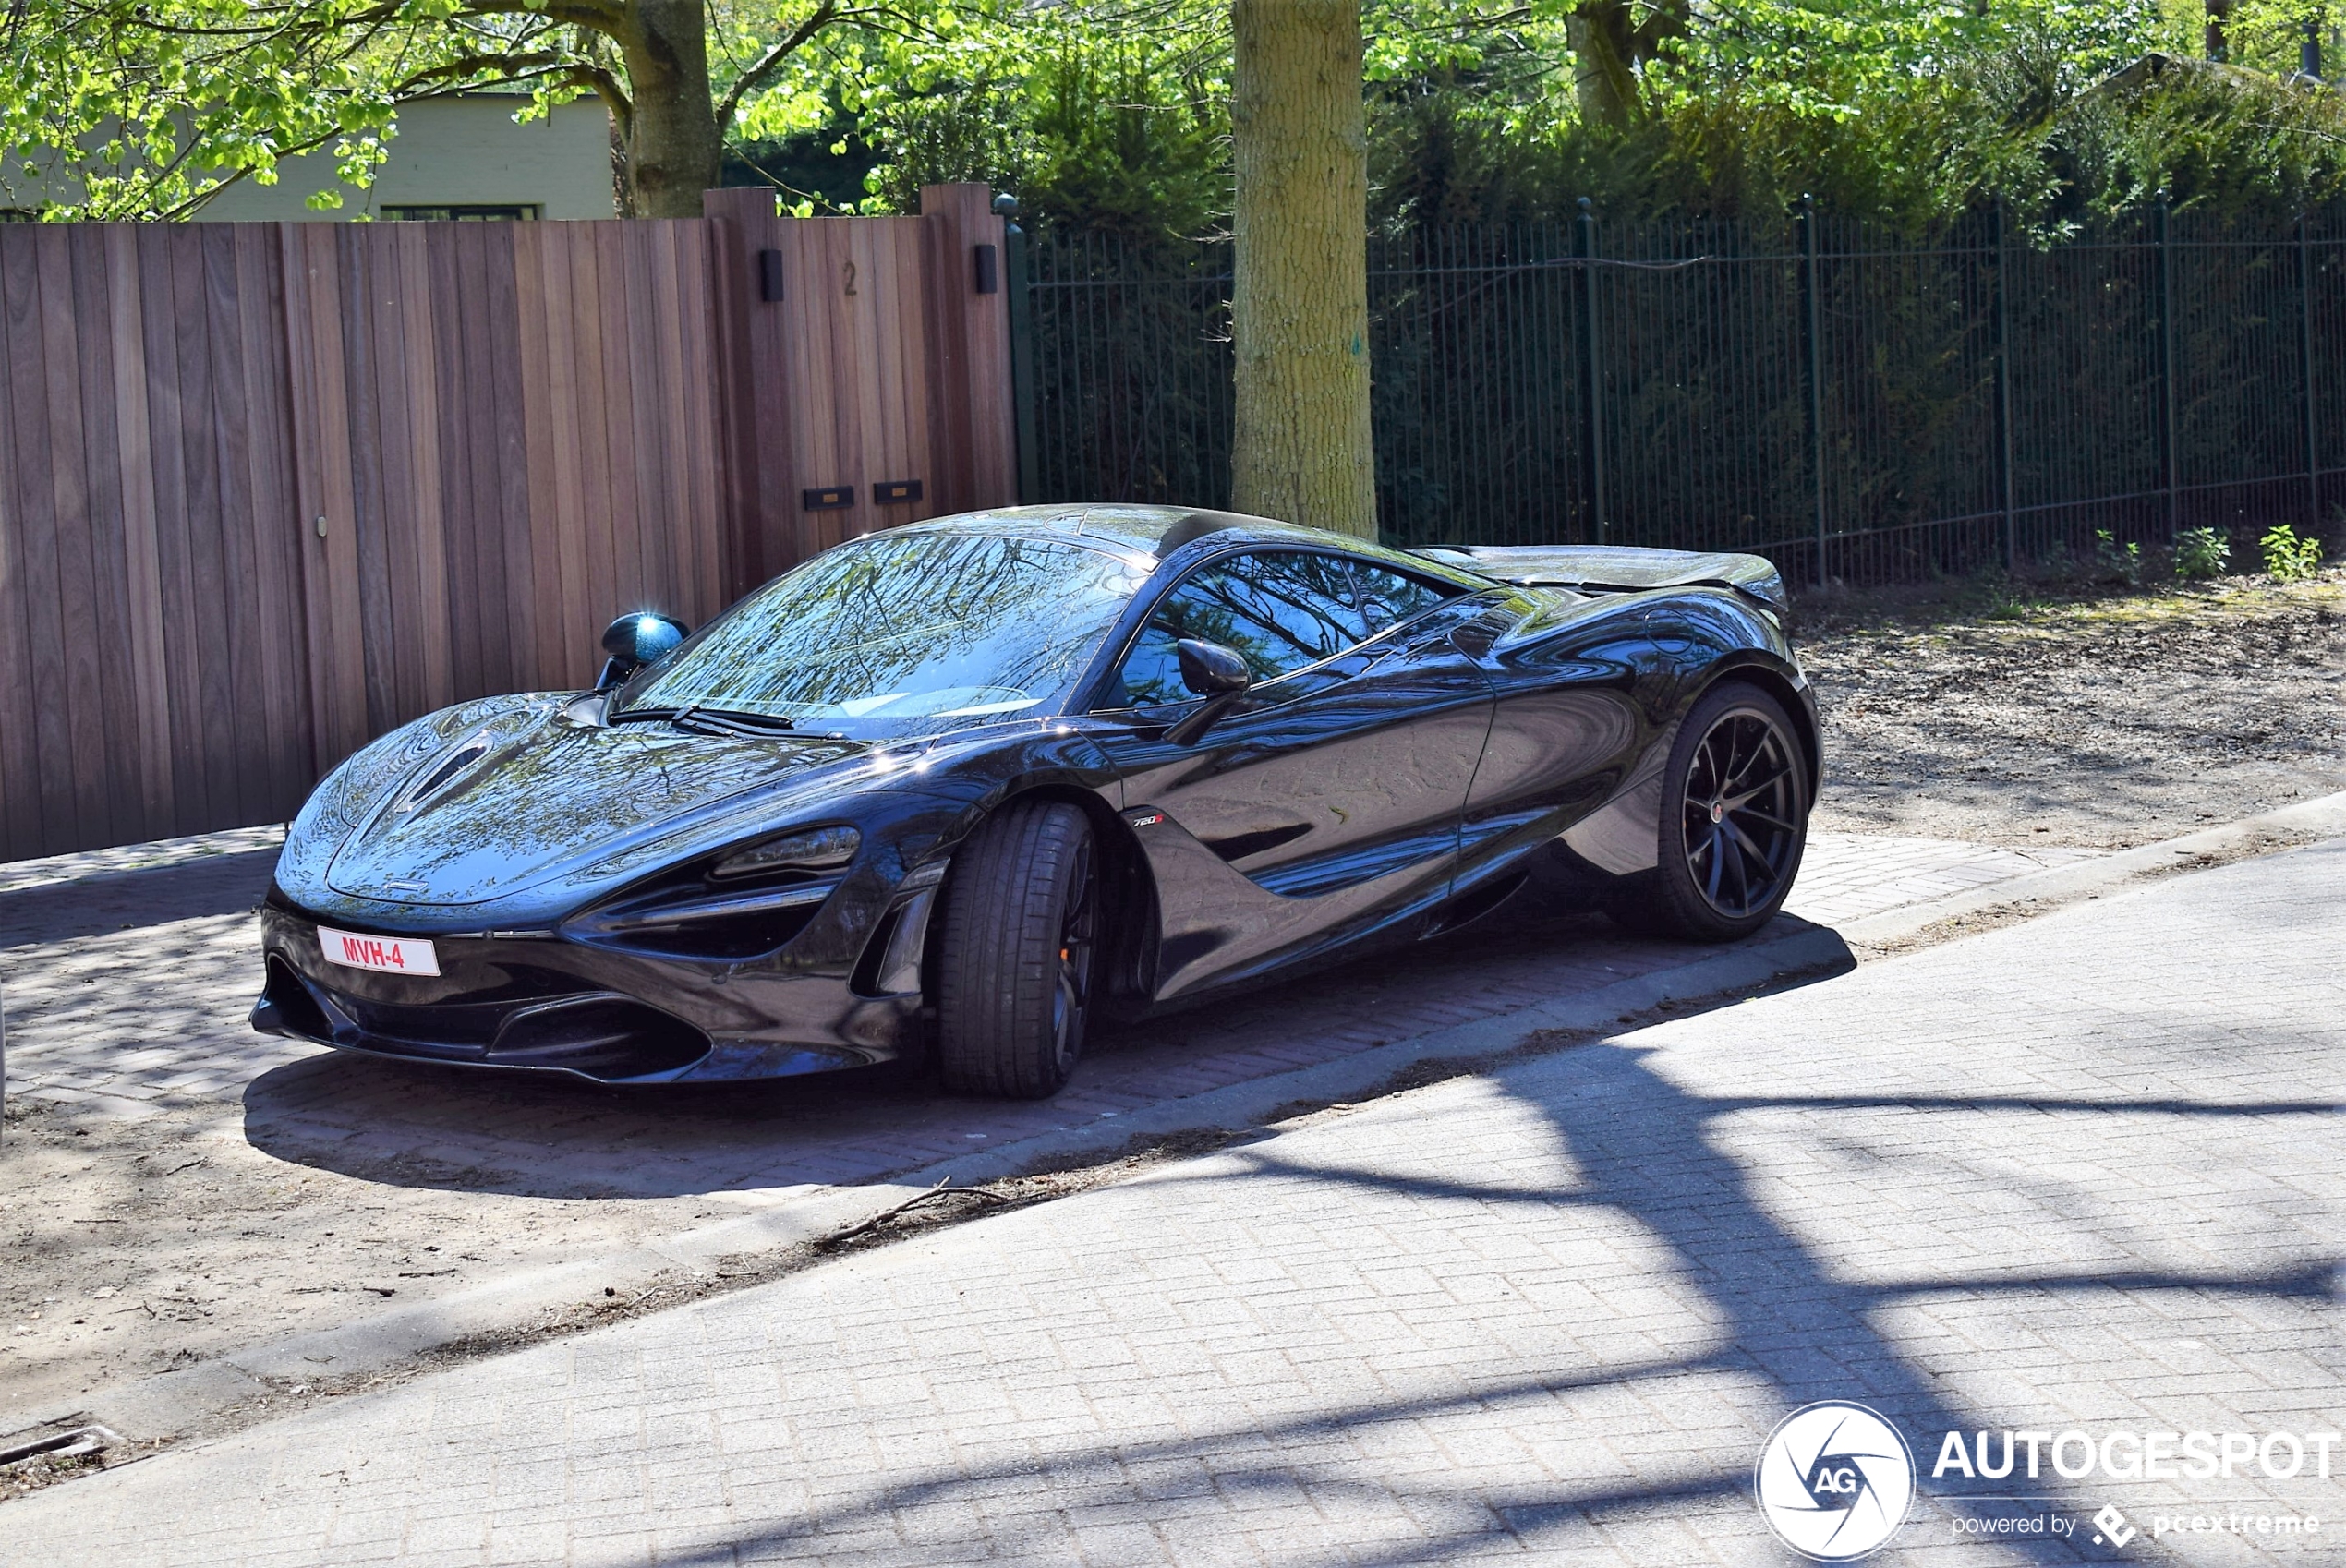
<point>1833,1481</point>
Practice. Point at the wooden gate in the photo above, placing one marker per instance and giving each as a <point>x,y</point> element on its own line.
<point>869,374</point>
<point>267,491</point>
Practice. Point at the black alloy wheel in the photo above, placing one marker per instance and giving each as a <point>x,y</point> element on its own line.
<point>1014,981</point>
<point>1734,823</point>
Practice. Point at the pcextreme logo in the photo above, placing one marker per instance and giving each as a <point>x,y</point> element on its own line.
<point>1834,1480</point>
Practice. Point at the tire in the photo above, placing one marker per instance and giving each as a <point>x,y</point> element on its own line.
<point>1729,847</point>
<point>1014,981</point>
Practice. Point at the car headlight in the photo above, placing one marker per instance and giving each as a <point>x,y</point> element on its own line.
<point>813,849</point>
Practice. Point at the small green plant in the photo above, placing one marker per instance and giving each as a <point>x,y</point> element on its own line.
<point>2115,563</point>
<point>2202,553</point>
<point>2290,557</point>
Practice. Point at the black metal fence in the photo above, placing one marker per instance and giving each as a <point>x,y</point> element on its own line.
<point>1850,406</point>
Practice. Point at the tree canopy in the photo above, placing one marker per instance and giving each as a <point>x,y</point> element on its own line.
<point>1116,113</point>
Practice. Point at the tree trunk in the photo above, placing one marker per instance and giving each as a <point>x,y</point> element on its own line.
<point>1601,35</point>
<point>673,148</point>
<point>1299,310</point>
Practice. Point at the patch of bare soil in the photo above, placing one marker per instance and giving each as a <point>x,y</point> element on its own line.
<point>2101,722</point>
<point>134,1247</point>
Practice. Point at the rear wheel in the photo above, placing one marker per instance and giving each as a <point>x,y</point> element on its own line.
<point>1014,982</point>
<point>1734,820</point>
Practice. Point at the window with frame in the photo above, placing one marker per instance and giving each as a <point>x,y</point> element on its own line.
<point>1388,598</point>
<point>462,212</point>
<point>1278,610</point>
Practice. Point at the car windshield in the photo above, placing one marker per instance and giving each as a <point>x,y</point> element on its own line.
<point>900,634</point>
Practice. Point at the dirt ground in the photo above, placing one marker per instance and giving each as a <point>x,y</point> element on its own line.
<point>129,1246</point>
<point>2099,722</point>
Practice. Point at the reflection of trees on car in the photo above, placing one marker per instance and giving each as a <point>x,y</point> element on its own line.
<point>1279,610</point>
<point>906,629</point>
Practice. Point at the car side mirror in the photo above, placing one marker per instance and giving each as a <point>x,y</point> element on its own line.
<point>1214,672</point>
<point>633,642</point>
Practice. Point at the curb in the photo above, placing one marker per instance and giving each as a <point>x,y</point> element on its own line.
<point>2035,891</point>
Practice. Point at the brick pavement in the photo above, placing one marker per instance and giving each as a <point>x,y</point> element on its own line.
<point>1850,875</point>
<point>2084,1172</point>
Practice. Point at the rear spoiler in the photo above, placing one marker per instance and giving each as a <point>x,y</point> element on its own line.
<point>1618,569</point>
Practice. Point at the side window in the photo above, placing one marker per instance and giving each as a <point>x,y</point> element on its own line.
<point>1388,597</point>
<point>1280,609</point>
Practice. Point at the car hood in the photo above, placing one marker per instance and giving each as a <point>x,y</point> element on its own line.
<point>510,802</point>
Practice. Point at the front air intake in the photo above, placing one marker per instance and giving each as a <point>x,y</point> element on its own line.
<point>607,1037</point>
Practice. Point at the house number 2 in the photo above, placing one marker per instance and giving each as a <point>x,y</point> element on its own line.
<point>850,269</point>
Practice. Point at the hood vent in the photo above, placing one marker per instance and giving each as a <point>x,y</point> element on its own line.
<point>447,769</point>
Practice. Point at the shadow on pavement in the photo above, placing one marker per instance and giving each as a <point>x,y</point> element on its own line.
<point>466,1129</point>
<point>61,912</point>
<point>1649,1150</point>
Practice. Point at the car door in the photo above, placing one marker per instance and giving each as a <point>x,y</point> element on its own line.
<point>1579,737</point>
<point>1324,804</point>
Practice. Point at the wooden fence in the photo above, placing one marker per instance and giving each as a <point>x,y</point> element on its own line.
<point>267,491</point>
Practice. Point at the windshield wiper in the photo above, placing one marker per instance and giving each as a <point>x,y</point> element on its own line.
<point>712,721</point>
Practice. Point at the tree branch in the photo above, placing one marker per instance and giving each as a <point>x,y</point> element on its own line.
<point>508,67</point>
<point>608,20</point>
<point>607,88</point>
<point>767,63</point>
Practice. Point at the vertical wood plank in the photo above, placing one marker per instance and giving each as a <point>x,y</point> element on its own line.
<point>76,693</point>
<point>125,802</point>
<point>205,469</point>
<point>142,564</point>
<point>541,286</point>
<point>501,460</point>
<point>373,465</point>
<point>744,334</point>
<point>420,373</point>
<point>697,327</point>
<point>41,673</point>
<point>322,411</point>
<point>665,534</point>
<point>902,367</point>
<point>21,478</point>
<point>970,411</point>
<point>612,328</point>
<point>275,521</point>
<point>592,395</point>
<point>158,364</point>
<point>450,277</point>
<point>674,522</point>
<point>236,614</point>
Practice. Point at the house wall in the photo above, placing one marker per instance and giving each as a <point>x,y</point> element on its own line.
<point>459,150</point>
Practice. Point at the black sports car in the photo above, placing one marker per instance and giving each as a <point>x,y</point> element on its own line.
<point>959,788</point>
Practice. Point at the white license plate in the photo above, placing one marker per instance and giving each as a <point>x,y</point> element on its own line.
<point>391,955</point>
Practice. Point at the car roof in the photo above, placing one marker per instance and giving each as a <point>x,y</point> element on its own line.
<point>1159,533</point>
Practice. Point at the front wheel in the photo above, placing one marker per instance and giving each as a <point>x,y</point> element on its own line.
<point>1734,821</point>
<point>1014,982</point>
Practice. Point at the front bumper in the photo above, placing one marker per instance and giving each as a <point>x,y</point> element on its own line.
<point>543,1003</point>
